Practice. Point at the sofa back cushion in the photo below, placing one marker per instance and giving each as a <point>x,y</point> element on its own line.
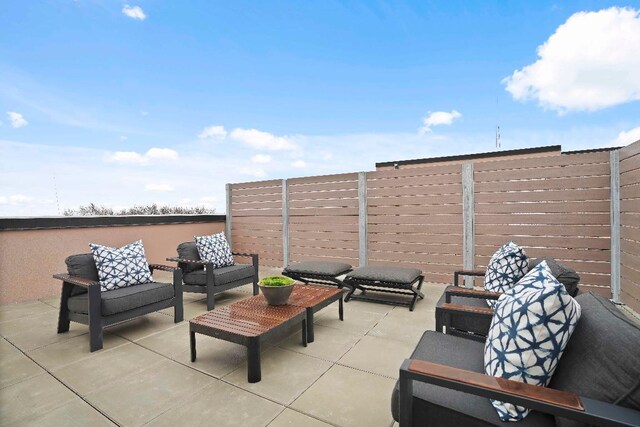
<point>82,265</point>
<point>528,334</point>
<point>189,250</point>
<point>565,275</point>
<point>602,359</point>
<point>508,265</point>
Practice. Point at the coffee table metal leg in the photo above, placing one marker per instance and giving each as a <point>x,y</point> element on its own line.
<point>341,309</point>
<point>253,361</point>
<point>305,331</point>
<point>192,336</point>
<point>309,321</point>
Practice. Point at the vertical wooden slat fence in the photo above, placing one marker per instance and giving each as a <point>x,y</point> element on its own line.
<point>555,206</point>
<point>630,225</point>
<point>256,220</point>
<point>323,218</point>
<point>415,219</point>
<point>558,205</point>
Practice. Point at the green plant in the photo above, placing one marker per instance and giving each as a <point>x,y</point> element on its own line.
<point>277,281</point>
<point>152,209</point>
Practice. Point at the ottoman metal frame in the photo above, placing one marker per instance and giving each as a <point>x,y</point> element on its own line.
<point>365,285</point>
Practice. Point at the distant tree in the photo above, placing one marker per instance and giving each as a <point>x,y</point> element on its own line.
<point>153,209</point>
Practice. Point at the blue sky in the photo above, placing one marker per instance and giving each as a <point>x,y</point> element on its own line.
<point>162,101</point>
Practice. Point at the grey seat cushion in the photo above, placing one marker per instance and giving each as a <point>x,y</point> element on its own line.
<point>475,324</point>
<point>439,406</point>
<point>124,299</point>
<point>189,250</point>
<point>222,275</point>
<point>565,275</point>
<point>385,274</point>
<point>323,268</point>
<point>602,358</point>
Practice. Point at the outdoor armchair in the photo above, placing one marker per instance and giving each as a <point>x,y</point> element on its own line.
<point>83,300</point>
<point>200,276</point>
<point>464,311</point>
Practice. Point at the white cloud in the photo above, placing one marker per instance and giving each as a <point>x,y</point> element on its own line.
<point>590,62</point>
<point>299,164</point>
<point>213,132</point>
<point>160,188</point>
<point>123,138</point>
<point>17,120</point>
<point>15,199</point>
<point>134,158</point>
<point>439,118</point>
<point>263,140</point>
<point>626,138</point>
<point>162,153</point>
<point>134,12</point>
<point>254,172</point>
<point>261,158</point>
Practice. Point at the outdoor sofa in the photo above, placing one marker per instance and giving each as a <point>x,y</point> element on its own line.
<point>597,381</point>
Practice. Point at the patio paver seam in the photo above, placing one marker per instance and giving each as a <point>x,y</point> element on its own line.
<point>63,383</point>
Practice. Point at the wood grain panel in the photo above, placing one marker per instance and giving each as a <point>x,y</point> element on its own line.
<point>579,170</point>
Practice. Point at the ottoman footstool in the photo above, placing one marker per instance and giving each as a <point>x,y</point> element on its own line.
<point>320,272</point>
<point>394,280</point>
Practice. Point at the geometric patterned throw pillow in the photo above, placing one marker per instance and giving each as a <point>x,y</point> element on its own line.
<point>508,265</point>
<point>530,329</point>
<point>214,249</point>
<point>121,267</point>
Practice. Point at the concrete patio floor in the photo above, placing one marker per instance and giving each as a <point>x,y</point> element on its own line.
<point>143,376</point>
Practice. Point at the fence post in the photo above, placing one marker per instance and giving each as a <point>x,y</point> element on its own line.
<point>468,221</point>
<point>614,162</point>
<point>363,238</point>
<point>285,222</point>
<point>227,222</point>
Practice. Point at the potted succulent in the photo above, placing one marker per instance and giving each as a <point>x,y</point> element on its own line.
<point>277,289</point>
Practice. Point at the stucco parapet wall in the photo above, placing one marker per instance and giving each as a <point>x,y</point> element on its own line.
<point>57,222</point>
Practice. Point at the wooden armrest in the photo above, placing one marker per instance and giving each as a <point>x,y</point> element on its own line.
<point>471,272</point>
<point>467,309</point>
<point>472,293</point>
<point>76,280</point>
<point>162,267</point>
<point>503,386</point>
<point>188,261</point>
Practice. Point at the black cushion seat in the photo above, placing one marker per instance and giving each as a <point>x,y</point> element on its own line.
<point>222,275</point>
<point>320,268</point>
<point>400,275</point>
<point>123,299</point>
<point>433,405</point>
<point>189,250</point>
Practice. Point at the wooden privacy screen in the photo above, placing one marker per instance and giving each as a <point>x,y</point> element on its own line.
<point>415,219</point>
<point>256,226</point>
<point>557,206</point>
<point>630,225</point>
<point>323,218</point>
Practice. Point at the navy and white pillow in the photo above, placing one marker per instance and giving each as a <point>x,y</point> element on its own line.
<point>214,249</point>
<point>508,265</point>
<point>530,329</point>
<point>121,267</point>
